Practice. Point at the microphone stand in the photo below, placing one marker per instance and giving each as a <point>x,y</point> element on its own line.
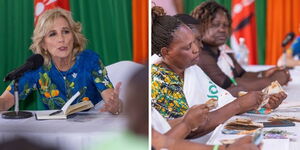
<point>284,57</point>
<point>16,114</point>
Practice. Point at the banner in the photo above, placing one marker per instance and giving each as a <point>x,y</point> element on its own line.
<point>244,26</point>
<point>41,6</point>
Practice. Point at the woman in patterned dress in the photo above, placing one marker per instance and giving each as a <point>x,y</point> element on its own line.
<point>68,67</point>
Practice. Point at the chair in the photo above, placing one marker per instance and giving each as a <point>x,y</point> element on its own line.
<point>122,71</point>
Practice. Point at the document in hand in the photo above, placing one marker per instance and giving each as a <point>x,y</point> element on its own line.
<point>274,88</point>
<point>66,110</point>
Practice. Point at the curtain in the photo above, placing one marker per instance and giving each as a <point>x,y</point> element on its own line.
<point>140,30</point>
<point>260,8</point>
<point>16,29</point>
<point>107,24</point>
<point>287,20</point>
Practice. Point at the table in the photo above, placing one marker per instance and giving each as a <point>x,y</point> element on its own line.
<point>285,109</point>
<point>76,133</point>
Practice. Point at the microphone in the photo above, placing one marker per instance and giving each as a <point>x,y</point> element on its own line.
<point>32,63</point>
<point>288,38</point>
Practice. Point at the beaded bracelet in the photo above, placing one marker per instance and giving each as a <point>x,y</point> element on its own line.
<point>216,147</point>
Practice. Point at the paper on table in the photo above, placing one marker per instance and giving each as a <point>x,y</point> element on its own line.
<point>44,114</point>
<point>289,104</point>
<point>214,134</point>
<point>69,102</point>
<point>276,144</point>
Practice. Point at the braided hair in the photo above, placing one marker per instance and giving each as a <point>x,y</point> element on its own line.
<point>206,13</point>
<point>163,27</point>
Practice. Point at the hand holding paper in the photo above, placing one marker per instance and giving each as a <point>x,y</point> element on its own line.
<point>112,102</point>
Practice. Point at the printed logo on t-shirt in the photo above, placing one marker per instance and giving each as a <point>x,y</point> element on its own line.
<point>213,91</point>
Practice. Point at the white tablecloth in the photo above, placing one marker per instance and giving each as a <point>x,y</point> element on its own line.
<point>76,133</point>
<point>285,109</point>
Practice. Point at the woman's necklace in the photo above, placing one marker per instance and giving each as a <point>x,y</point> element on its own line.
<point>64,76</point>
<point>63,73</point>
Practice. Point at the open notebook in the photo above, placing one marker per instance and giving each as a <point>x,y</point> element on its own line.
<point>66,110</point>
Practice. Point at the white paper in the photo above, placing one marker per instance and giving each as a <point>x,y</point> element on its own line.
<point>289,104</point>
<point>44,115</point>
<point>69,102</point>
<point>275,144</point>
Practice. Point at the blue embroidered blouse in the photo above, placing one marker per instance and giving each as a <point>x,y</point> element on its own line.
<point>87,75</point>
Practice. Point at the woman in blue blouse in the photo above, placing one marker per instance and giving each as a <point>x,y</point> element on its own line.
<point>67,68</point>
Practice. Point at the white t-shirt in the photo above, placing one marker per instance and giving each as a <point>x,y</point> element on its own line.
<point>225,63</point>
<point>159,123</point>
<point>198,88</point>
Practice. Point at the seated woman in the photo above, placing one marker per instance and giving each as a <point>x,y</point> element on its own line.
<point>215,22</point>
<point>292,55</point>
<point>135,137</point>
<point>67,68</point>
<point>176,44</point>
<point>194,74</point>
<point>208,88</point>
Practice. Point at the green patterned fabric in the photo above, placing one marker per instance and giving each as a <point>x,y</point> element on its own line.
<point>167,92</point>
<point>87,75</point>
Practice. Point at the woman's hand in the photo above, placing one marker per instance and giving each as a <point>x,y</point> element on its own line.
<point>159,141</point>
<point>271,71</point>
<point>196,117</point>
<point>250,101</point>
<point>244,143</point>
<point>275,100</point>
<point>6,101</point>
<point>112,102</point>
<point>282,76</point>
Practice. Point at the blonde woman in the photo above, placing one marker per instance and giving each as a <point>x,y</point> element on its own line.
<point>67,68</point>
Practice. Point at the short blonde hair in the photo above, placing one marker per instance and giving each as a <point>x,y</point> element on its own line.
<point>44,22</point>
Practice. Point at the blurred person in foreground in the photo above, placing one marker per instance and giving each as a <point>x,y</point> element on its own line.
<point>136,110</point>
<point>292,55</point>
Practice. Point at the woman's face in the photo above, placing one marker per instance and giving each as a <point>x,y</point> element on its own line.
<point>59,40</point>
<point>218,30</point>
<point>183,50</point>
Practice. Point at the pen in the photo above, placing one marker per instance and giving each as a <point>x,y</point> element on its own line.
<point>56,112</point>
<point>233,81</point>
